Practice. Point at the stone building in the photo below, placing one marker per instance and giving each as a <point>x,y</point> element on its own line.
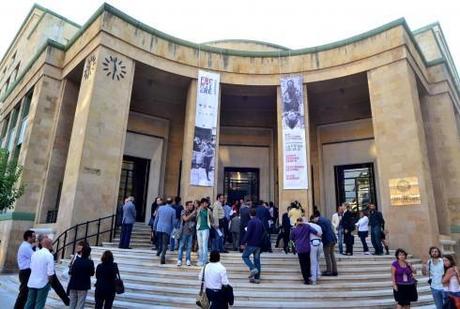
<point>107,109</point>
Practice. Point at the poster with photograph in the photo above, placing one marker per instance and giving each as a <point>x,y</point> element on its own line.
<point>294,145</point>
<point>204,140</point>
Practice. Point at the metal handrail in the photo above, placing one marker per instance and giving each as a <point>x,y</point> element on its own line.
<point>63,237</point>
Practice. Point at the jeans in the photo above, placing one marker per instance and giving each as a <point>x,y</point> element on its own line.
<point>103,300</point>
<point>340,239</point>
<point>125,236</point>
<point>185,241</point>
<point>362,236</point>
<point>247,253</point>
<point>331,264</point>
<point>217,242</point>
<point>36,298</point>
<point>163,244</point>
<point>23,289</point>
<point>202,238</point>
<point>304,261</point>
<point>376,238</point>
<point>438,296</point>
<point>77,299</point>
<point>315,253</point>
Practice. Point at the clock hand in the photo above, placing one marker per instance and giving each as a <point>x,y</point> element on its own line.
<point>114,70</point>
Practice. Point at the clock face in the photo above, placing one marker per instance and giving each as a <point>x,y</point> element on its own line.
<point>90,66</point>
<point>114,68</point>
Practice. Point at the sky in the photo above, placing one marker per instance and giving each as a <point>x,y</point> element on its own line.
<point>293,24</point>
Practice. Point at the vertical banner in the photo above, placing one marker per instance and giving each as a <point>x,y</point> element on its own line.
<point>204,140</point>
<point>294,145</point>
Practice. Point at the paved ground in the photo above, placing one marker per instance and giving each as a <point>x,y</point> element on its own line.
<point>7,297</point>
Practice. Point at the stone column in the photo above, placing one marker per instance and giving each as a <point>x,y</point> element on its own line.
<point>188,191</point>
<point>402,152</point>
<point>92,172</point>
<point>444,142</point>
<point>33,157</point>
<point>285,197</point>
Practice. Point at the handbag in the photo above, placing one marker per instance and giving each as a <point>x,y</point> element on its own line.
<point>119,286</point>
<point>202,300</point>
<point>429,273</point>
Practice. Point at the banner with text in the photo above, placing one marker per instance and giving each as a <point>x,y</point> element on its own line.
<point>294,145</point>
<point>204,140</point>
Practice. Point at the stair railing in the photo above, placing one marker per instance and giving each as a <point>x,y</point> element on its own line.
<point>93,230</point>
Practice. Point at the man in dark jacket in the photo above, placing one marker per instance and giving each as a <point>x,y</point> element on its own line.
<point>284,232</point>
<point>348,225</point>
<point>244,220</point>
<point>377,225</point>
<point>251,243</point>
<point>329,240</point>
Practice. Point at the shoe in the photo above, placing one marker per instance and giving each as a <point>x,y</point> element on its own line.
<point>163,261</point>
<point>158,253</point>
<point>188,263</point>
<point>200,264</point>
<point>335,274</point>
<point>367,253</point>
<point>314,283</point>
<point>308,282</point>
<point>388,253</point>
<point>256,281</point>
<point>179,263</point>
<point>129,248</point>
<point>326,273</point>
<point>253,272</point>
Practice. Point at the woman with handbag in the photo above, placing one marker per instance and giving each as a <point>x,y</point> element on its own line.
<point>451,282</point>
<point>106,274</point>
<point>434,268</point>
<point>214,278</point>
<point>404,283</point>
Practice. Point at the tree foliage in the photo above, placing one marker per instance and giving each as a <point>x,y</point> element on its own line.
<point>10,174</point>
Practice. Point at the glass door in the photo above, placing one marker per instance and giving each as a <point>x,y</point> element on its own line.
<point>134,182</point>
<point>241,183</point>
<point>355,185</point>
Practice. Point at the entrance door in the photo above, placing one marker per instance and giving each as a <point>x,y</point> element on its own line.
<point>241,183</point>
<point>134,182</point>
<point>355,185</point>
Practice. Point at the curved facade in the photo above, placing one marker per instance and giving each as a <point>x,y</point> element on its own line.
<point>381,114</point>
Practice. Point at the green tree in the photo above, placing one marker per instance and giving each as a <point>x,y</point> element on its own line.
<point>10,174</point>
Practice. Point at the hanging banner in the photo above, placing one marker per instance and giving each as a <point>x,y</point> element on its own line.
<point>294,145</point>
<point>204,140</point>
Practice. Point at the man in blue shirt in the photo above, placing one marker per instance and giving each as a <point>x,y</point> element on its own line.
<point>24,254</point>
<point>129,217</point>
<point>252,243</point>
<point>163,226</point>
<point>329,240</point>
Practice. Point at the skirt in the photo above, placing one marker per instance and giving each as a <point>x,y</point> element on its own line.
<point>406,294</point>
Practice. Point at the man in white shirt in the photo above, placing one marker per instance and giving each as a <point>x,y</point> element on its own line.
<point>42,270</point>
<point>338,229</point>
<point>24,254</point>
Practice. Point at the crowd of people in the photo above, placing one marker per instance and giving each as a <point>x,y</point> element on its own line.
<point>243,226</point>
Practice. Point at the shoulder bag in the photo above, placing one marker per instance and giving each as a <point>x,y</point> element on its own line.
<point>429,273</point>
<point>119,286</point>
<point>202,300</point>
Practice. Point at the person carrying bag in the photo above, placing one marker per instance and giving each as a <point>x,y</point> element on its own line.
<point>202,299</point>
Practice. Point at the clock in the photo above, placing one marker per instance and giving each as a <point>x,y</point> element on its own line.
<point>89,66</point>
<point>114,68</point>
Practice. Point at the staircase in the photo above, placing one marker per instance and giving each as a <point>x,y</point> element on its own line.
<point>363,281</point>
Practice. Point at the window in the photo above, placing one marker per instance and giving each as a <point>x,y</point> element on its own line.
<point>25,116</point>
<point>11,129</point>
<point>14,75</point>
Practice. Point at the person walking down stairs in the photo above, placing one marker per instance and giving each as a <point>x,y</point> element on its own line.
<point>252,243</point>
<point>163,226</point>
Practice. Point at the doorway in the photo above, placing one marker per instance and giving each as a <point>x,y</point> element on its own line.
<point>134,182</point>
<point>355,185</point>
<point>241,183</point>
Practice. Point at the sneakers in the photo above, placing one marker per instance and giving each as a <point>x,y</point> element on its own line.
<point>179,263</point>
<point>256,281</point>
<point>253,272</point>
<point>367,253</point>
<point>188,263</point>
